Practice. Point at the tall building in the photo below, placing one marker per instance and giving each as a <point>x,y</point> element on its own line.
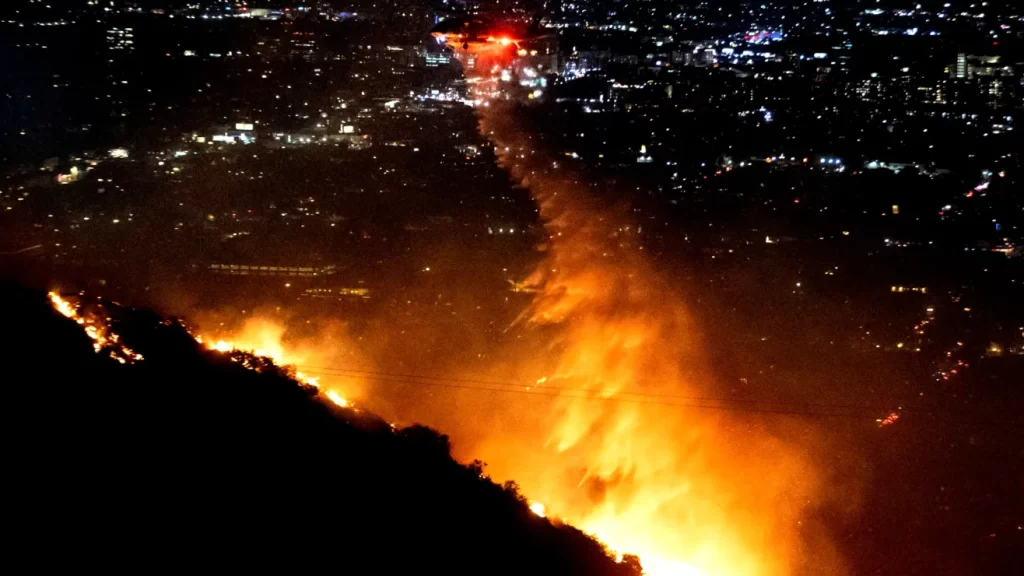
<point>120,40</point>
<point>970,66</point>
<point>960,71</point>
<point>434,59</point>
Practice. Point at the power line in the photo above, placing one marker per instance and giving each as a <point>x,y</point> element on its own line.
<point>579,397</point>
<point>721,404</point>
<point>359,373</point>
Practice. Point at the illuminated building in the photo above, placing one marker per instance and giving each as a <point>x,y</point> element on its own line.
<point>960,71</point>
<point>433,60</point>
<point>902,289</point>
<point>971,66</point>
<point>303,45</point>
<point>347,136</point>
<point>583,61</point>
<point>261,270</point>
<point>644,157</point>
<point>73,176</point>
<point>121,39</point>
<point>343,293</point>
<point>708,57</point>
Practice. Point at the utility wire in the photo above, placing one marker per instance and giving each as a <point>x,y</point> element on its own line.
<point>720,403</point>
<point>357,373</point>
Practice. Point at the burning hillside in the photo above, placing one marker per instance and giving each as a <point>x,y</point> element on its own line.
<point>602,417</point>
<point>689,491</point>
<point>622,445</point>
<point>191,454</point>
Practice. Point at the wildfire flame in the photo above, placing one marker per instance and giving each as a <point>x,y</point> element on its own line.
<point>690,493</point>
<point>538,509</point>
<point>97,329</point>
<point>267,338</point>
<point>63,306</point>
<point>888,420</point>
<point>337,399</point>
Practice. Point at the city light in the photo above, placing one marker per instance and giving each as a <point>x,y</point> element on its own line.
<point>721,284</point>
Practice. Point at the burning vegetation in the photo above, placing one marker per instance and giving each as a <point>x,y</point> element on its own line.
<point>254,357</point>
<point>619,451</point>
<point>610,431</point>
<point>690,491</point>
<point>195,455</point>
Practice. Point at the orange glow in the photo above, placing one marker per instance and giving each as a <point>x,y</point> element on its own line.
<point>538,509</point>
<point>221,346</point>
<point>890,419</point>
<point>337,399</point>
<point>97,329</point>
<point>266,338</point>
<point>690,492</point>
<point>259,337</point>
<point>486,51</point>
<point>62,305</point>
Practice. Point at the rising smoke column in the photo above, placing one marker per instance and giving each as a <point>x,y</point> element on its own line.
<point>690,491</point>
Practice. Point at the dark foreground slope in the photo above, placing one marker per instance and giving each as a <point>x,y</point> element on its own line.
<point>189,460</point>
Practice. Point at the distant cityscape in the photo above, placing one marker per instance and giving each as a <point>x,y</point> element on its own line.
<point>836,185</point>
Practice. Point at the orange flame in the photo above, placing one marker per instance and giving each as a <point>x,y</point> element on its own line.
<point>97,330</point>
<point>260,338</point>
<point>63,306</point>
<point>888,420</point>
<point>691,493</point>
<point>538,509</point>
<point>265,338</point>
<point>688,492</point>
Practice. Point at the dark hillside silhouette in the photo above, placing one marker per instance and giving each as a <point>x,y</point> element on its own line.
<point>189,461</point>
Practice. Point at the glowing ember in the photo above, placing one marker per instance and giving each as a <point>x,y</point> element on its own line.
<point>63,306</point>
<point>690,493</point>
<point>337,399</point>
<point>890,419</point>
<point>265,340</point>
<point>97,329</point>
<point>221,346</point>
<point>537,508</point>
